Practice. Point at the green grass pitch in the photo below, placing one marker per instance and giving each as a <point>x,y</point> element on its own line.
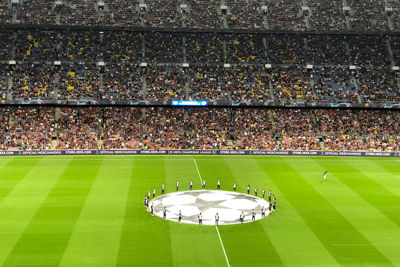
<point>88,211</point>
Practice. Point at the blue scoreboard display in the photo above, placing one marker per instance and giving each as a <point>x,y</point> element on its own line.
<point>188,103</point>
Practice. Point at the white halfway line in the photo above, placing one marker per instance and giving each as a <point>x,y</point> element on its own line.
<point>198,172</point>
<point>216,227</point>
<point>222,244</point>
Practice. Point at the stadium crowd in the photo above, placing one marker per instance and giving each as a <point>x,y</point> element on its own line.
<point>154,128</point>
<point>303,15</point>
<point>163,65</point>
<point>227,67</point>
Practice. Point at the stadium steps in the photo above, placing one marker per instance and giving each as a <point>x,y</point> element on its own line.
<point>359,98</point>
<point>101,89</point>
<point>144,127</point>
<point>306,17</point>
<point>271,117</point>
<point>390,22</point>
<point>57,113</point>
<point>314,119</point>
<point>224,17</point>
<point>56,81</point>
<point>265,22</point>
<point>143,44</point>
<point>100,142</point>
<point>10,119</point>
<point>58,18</point>
<point>271,91</point>
<point>54,144</point>
<point>187,89</point>
<point>224,50</point>
<point>143,73</point>
<point>141,15</point>
<point>14,15</point>
<point>10,84</point>
<point>264,39</point>
<point>307,22</point>
<point>357,120</point>
<point>348,25</point>
<point>184,48</point>
<point>347,50</point>
<point>390,51</point>
<point>183,21</point>
<point>144,84</point>
<point>13,46</point>
<point>353,81</point>
<point>398,82</point>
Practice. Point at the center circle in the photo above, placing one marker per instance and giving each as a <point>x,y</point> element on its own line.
<point>228,205</point>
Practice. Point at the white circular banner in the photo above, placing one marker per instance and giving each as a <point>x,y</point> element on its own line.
<point>230,206</point>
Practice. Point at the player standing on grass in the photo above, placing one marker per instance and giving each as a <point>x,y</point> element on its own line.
<point>234,187</point>
<point>274,202</point>
<point>154,192</point>
<point>200,219</point>
<point>148,194</point>
<point>263,192</point>
<point>151,209</point>
<point>204,184</point>
<point>219,184</point>
<point>325,174</point>
<point>269,196</point>
<point>177,185</point>
<point>145,200</point>
<point>262,212</point>
<point>216,219</point>
<point>248,188</point>
<point>190,184</point>
<point>162,189</point>
<point>256,190</point>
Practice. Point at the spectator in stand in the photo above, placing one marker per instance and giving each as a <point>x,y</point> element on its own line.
<point>199,128</point>
<point>280,14</point>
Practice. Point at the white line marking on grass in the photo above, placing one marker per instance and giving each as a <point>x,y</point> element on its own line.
<point>223,248</point>
<point>198,172</point>
<point>216,227</point>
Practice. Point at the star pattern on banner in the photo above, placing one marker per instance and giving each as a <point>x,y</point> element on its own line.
<point>229,206</point>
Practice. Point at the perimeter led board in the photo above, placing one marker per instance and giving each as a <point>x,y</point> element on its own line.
<point>189,103</point>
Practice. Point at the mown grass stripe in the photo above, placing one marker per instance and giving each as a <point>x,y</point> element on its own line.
<point>35,179</point>
<point>4,161</point>
<point>370,222</point>
<point>342,240</point>
<point>294,241</point>
<point>247,244</point>
<point>13,171</point>
<point>46,237</point>
<point>145,240</point>
<point>367,188</point>
<point>96,236</point>
<point>191,245</point>
<point>387,172</point>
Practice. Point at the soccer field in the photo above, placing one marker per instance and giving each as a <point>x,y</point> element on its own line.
<point>88,211</point>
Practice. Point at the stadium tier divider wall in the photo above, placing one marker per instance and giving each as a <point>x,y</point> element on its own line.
<point>146,103</point>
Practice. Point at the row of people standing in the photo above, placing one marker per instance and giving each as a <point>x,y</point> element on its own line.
<point>203,186</point>
<point>271,200</point>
